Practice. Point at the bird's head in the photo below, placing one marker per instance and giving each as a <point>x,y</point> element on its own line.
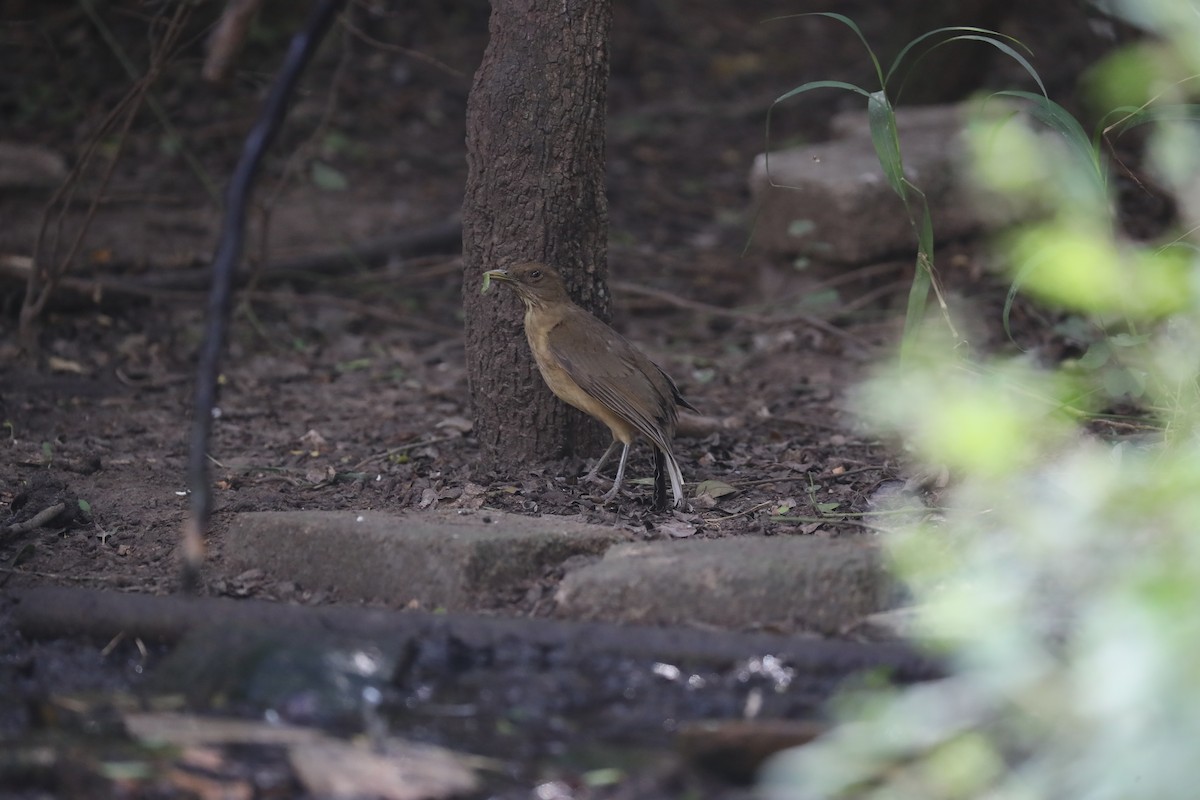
<point>536,284</point>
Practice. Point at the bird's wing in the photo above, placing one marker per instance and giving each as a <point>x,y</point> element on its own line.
<point>609,368</point>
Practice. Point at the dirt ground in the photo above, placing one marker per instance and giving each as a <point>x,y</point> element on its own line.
<point>348,390</point>
<point>344,383</point>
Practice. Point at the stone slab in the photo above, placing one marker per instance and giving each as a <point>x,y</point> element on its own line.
<point>440,559</point>
<point>830,200</point>
<point>802,582</point>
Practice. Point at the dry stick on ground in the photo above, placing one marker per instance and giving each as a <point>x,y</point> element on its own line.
<point>228,38</point>
<point>806,477</point>
<point>439,238</point>
<point>229,250</point>
<point>36,521</point>
<point>404,448</point>
<point>94,288</point>
<point>717,311</point>
<point>867,298</point>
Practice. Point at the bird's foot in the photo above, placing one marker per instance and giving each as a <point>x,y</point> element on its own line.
<point>593,477</point>
<point>606,498</point>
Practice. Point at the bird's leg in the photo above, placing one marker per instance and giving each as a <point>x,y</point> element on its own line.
<point>616,487</point>
<point>612,448</point>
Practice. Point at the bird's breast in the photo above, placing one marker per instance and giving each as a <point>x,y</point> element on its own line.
<point>538,329</point>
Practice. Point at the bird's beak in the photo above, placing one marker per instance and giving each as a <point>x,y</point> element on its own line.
<point>497,275</point>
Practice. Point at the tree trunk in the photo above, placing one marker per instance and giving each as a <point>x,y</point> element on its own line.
<point>535,192</point>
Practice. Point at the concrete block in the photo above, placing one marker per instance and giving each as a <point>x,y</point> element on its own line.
<point>802,582</point>
<point>441,559</point>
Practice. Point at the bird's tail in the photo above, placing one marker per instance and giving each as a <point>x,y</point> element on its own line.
<point>660,480</point>
<point>665,466</point>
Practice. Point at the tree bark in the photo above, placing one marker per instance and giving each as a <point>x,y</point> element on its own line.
<point>535,192</point>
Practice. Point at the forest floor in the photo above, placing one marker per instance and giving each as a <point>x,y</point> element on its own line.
<point>344,384</point>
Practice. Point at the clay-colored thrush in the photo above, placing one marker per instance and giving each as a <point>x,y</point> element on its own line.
<point>589,365</point>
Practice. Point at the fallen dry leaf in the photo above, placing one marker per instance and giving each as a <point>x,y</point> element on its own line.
<point>677,529</point>
<point>403,771</point>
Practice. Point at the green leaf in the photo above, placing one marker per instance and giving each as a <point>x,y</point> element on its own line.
<point>126,770</point>
<point>923,281</point>
<point>353,365</point>
<point>606,776</point>
<point>1128,339</point>
<point>825,508</point>
<point>1008,51</point>
<point>327,178</point>
<point>1097,356</point>
<point>1176,112</point>
<point>799,228</point>
<point>85,506</point>
<point>882,120</point>
<point>849,23</point>
<point>984,32</point>
<point>811,85</point>
<point>1058,119</point>
<point>714,488</point>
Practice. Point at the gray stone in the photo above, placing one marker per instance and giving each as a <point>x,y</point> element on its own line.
<point>439,559</point>
<point>30,166</point>
<point>895,624</point>
<point>806,582</point>
<point>830,200</point>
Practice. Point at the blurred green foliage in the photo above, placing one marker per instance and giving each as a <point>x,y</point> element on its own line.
<point>1062,581</point>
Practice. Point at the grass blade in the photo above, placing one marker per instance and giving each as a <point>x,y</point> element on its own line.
<point>882,120</point>
<point>808,87</point>
<point>1058,119</point>
<point>849,23</point>
<point>951,29</point>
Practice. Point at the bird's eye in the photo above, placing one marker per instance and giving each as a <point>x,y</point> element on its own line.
<point>536,275</point>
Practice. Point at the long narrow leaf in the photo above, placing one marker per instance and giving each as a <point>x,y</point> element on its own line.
<point>1175,112</point>
<point>950,29</point>
<point>1006,316</point>
<point>1013,290</point>
<point>1059,119</point>
<point>925,257</point>
<point>918,295</point>
<point>808,87</point>
<point>849,23</point>
<point>882,120</point>
<point>1008,51</point>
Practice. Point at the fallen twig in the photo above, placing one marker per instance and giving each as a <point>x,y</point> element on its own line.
<point>39,519</point>
<point>732,313</point>
<point>404,448</point>
<point>96,288</point>
<point>228,38</point>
